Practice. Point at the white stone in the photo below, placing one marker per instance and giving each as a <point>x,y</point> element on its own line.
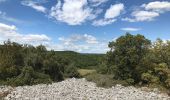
<point>80,89</point>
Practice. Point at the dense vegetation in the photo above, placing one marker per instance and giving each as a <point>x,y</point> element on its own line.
<point>136,60</point>
<point>82,60</point>
<point>27,65</point>
<point>132,60</point>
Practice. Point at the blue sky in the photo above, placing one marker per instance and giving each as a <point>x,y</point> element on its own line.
<point>82,25</point>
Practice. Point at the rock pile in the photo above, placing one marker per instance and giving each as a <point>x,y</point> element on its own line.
<point>5,90</point>
<point>80,89</point>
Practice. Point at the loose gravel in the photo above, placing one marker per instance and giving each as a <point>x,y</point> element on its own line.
<point>80,89</point>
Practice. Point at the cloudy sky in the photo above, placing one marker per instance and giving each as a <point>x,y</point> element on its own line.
<point>82,25</point>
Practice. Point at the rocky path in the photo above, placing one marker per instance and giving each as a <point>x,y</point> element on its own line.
<point>80,89</point>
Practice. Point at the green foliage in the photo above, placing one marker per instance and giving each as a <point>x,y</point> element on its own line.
<point>29,77</point>
<point>130,81</point>
<point>132,60</point>
<point>11,59</point>
<point>28,65</point>
<point>81,60</point>
<point>136,60</point>
<point>126,54</point>
<point>71,71</point>
<point>149,78</point>
<point>167,82</point>
<point>104,80</point>
<point>53,67</point>
<point>102,69</point>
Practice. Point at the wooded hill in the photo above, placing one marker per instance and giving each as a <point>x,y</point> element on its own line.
<point>82,60</point>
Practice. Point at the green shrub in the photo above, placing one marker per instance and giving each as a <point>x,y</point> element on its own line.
<point>167,82</point>
<point>29,77</point>
<point>126,55</point>
<point>104,80</point>
<point>130,81</point>
<point>102,69</point>
<point>41,78</point>
<point>71,71</point>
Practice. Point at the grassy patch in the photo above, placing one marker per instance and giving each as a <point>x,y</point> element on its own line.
<point>103,80</point>
<point>107,81</point>
<point>84,72</point>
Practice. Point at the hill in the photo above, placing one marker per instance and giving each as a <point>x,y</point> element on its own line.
<point>82,60</point>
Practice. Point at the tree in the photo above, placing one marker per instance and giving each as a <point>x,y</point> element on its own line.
<point>11,59</point>
<point>127,53</point>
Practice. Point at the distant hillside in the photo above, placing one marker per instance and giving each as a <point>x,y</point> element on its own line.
<point>82,60</point>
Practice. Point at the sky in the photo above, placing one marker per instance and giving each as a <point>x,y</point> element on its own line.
<point>85,26</point>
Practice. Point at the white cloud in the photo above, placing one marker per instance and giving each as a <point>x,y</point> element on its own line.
<point>130,29</point>
<point>35,37</point>
<point>160,6</point>
<point>95,14</point>
<point>148,12</point>
<point>97,2</point>
<point>110,15</point>
<point>138,16</point>
<point>80,43</point>
<point>74,38</point>
<point>72,12</point>
<point>90,39</point>
<point>71,47</point>
<point>10,32</point>
<point>114,10</point>
<point>103,22</point>
<point>73,42</point>
<point>35,6</point>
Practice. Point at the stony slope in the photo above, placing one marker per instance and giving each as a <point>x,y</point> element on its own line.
<point>80,89</point>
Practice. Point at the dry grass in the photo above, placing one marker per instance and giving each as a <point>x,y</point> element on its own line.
<point>84,72</point>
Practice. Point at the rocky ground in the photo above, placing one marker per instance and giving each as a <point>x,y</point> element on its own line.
<point>78,89</point>
<point>5,90</point>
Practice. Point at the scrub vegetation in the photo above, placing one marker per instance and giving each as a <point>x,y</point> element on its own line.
<point>132,60</point>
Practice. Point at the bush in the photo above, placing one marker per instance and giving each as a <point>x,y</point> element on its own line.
<point>167,82</point>
<point>100,80</point>
<point>27,65</point>
<point>130,81</point>
<point>102,69</point>
<point>29,77</point>
<point>71,71</point>
<point>41,78</point>
<point>104,80</point>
